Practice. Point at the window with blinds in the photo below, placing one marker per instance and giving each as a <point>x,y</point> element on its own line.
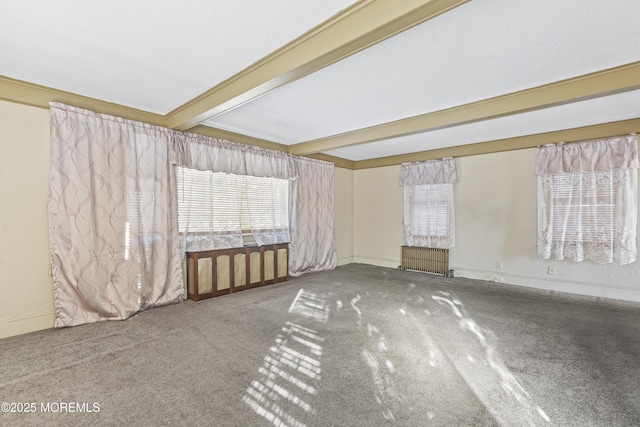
<point>222,203</point>
<point>583,207</point>
<point>265,203</point>
<point>429,210</point>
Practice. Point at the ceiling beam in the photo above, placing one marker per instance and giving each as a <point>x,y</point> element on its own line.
<point>606,82</point>
<point>363,24</point>
<point>583,133</point>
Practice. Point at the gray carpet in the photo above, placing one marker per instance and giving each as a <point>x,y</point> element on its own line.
<point>358,346</point>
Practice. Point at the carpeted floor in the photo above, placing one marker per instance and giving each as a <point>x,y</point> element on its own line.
<point>358,346</point>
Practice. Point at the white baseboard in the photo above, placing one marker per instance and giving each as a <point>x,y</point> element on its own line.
<point>25,324</point>
<point>601,290</point>
<point>345,260</point>
<point>389,263</point>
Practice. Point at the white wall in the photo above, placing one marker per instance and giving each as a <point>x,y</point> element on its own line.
<point>378,216</point>
<point>26,287</point>
<point>496,221</point>
<point>343,213</point>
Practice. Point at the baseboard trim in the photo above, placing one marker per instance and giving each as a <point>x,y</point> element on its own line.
<point>599,290</point>
<point>380,262</point>
<point>346,260</point>
<point>25,324</point>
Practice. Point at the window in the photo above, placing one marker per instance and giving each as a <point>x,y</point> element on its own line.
<point>428,210</point>
<point>428,203</point>
<point>215,210</point>
<point>587,200</point>
<point>583,207</point>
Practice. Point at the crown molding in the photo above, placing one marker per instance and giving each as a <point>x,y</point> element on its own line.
<point>337,161</point>
<point>22,92</point>
<point>238,138</point>
<point>584,133</point>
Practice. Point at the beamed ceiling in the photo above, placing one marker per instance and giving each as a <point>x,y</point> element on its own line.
<point>363,84</point>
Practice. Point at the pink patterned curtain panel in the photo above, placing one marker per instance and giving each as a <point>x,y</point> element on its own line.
<point>112,217</point>
<point>313,246</point>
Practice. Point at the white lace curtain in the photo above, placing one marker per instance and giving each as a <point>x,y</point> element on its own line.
<point>113,235</point>
<point>588,200</point>
<point>429,217</point>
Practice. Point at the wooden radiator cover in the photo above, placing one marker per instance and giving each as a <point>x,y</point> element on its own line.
<point>223,271</point>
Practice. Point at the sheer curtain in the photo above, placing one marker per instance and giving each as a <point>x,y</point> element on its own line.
<point>588,200</point>
<point>114,243</point>
<point>429,217</point>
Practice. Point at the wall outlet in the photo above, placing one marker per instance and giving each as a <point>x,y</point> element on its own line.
<point>551,270</point>
<point>499,265</point>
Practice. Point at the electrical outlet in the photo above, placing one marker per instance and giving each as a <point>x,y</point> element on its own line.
<point>551,270</point>
<point>499,265</point>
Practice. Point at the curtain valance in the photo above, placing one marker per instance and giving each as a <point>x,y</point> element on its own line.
<point>588,156</point>
<point>218,155</point>
<point>441,171</point>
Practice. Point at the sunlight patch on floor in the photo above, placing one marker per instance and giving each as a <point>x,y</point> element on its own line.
<point>508,383</point>
<point>291,371</point>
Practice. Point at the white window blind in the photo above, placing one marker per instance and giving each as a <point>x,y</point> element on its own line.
<point>216,209</point>
<point>429,215</point>
<point>208,201</point>
<point>583,207</point>
<point>429,207</point>
<point>265,204</point>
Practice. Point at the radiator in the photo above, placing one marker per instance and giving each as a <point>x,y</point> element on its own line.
<point>428,260</point>
<point>224,271</point>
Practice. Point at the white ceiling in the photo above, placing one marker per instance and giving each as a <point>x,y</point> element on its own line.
<point>153,55</point>
<point>158,55</point>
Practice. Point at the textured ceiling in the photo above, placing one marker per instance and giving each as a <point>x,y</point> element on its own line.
<point>478,50</point>
<point>195,62</point>
<point>153,55</point>
<point>600,110</point>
